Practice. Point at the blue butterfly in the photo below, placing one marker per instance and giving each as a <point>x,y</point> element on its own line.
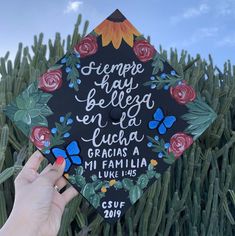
<point>161,122</point>
<point>70,154</point>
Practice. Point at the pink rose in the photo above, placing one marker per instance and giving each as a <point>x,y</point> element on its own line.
<point>51,80</point>
<point>40,136</point>
<point>88,46</point>
<point>179,142</point>
<point>183,93</point>
<point>143,50</point>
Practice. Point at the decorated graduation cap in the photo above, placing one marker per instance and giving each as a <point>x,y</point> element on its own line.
<point>118,113</point>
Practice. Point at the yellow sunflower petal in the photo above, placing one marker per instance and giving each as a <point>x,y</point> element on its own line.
<point>107,34</point>
<point>101,27</point>
<point>127,36</point>
<point>131,28</point>
<point>117,35</point>
<point>104,30</point>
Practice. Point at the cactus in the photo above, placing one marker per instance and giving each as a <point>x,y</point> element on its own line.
<point>195,196</point>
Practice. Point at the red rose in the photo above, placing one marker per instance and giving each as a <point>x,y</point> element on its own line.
<point>51,80</point>
<point>183,93</point>
<point>88,46</point>
<point>179,142</point>
<point>40,136</point>
<point>143,50</point>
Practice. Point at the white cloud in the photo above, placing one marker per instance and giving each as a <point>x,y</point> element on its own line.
<point>191,13</point>
<point>73,6</point>
<point>225,7</point>
<point>227,41</point>
<point>199,35</point>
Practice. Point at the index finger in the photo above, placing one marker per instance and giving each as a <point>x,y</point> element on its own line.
<point>34,161</point>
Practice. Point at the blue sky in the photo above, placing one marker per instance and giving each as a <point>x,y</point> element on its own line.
<point>203,27</point>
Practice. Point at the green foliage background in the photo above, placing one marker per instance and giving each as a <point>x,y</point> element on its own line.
<point>196,196</point>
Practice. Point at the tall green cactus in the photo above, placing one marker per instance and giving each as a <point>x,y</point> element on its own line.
<point>195,196</point>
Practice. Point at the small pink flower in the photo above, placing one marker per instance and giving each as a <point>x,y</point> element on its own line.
<point>51,80</point>
<point>183,93</point>
<point>179,142</point>
<point>88,46</point>
<point>40,136</point>
<point>143,50</point>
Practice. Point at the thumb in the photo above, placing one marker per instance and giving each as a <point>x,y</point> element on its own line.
<point>56,170</point>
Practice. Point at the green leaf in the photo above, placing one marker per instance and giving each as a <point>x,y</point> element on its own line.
<point>168,161</point>
<point>127,183</point>
<point>157,63</point>
<point>32,88</point>
<point>155,69</point>
<point>79,170</point>
<point>35,97</point>
<point>59,142</point>
<point>75,86</point>
<point>80,181</point>
<point>25,95</point>
<point>98,185</point>
<point>199,117</point>
<point>34,112</point>
<point>20,102</point>
<point>150,167</point>
<point>59,126</point>
<point>66,129</point>
<point>44,98</point>
<point>27,119</point>
<point>22,115</point>
<point>157,148</point>
<point>118,185</point>
<point>95,200</point>
<point>69,61</point>
<point>39,120</point>
<point>150,174</point>
<point>135,193</point>
<point>19,115</point>
<point>94,177</point>
<point>23,127</point>
<point>76,73</point>
<point>72,179</point>
<point>101,194</point>
<point>30,103</point>
<point>157,175</point>
<point>69,76</point>
<point>161,66</point>
<point>94,33</point>
<point>143,181</point>
<point>171,156</point>
<point>46,111</point>
<point>140,37</point>
<point>55,67</point>
<point>151,139</point>
<point>88,190</point>
<point>162,142</point>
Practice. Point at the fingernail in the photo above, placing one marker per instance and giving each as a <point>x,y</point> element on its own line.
<point>59,161</point>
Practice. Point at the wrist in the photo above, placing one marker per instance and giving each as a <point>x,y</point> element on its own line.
<point>17,225</point>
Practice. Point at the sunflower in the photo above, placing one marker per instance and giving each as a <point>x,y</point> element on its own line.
<point>115,28</point>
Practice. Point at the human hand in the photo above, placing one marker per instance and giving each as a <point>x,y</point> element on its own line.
<point>38,206</point>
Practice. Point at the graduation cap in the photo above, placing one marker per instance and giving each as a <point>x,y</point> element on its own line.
<point>116,110</point>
